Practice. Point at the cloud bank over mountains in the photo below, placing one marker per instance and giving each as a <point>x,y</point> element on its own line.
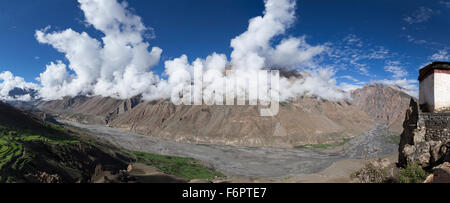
<point>11,83</point>
<point>120,64</point>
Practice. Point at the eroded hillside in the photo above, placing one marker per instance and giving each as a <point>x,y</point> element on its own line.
<point>384,104</point>
<point>33,150</point>
<point>303,121</point>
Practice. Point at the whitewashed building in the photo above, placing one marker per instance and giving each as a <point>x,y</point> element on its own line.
<point>434,93</point>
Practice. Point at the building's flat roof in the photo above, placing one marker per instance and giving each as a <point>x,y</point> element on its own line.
<point>427,70</point>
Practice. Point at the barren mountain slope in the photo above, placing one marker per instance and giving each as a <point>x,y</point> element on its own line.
<point>33,151</point>
<point>384,104</point>
<point>304,121</point>
<point>14,118</point>
<point>98,110</point>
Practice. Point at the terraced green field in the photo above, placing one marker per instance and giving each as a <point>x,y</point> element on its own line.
<point>15,154</point>
<point>9,150</point>
<point>11,142</point>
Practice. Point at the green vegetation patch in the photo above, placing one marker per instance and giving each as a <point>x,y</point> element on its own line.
<point>412,174</point>
<point>11,141</point>
<point>178,166</point>
<point>10,150</point>
<point>375,173</point>
<point>393,138</point>
<point>323,146</point>
<point>55,128</point>
<point>371,173</point>
<point>52,133</point>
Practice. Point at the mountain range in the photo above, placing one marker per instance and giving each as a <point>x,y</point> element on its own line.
<point>303,121</point>
<point>36,149</point>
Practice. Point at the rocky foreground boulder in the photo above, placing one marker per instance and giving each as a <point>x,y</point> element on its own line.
<point>426,138</point>
<point>441,174</point>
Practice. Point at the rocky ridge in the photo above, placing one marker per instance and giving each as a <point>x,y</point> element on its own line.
<point>426,138</point>
<point>384,104</point>
<point>303,121</point>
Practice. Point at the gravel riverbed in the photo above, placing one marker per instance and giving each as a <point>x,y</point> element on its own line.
<point>258,162</point>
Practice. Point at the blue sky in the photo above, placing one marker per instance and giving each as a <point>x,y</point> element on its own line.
<point>368,41</point>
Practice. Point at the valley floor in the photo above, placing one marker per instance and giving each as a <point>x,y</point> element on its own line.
<point>338,172</point>
<point>262,164</point>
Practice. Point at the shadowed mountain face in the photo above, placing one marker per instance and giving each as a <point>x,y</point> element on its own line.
<point>14,118</point>
<point>300,122</point>
<point>18,92</point>
<point>38,152</point>
<point>35,150</point>
<point>384,104</point>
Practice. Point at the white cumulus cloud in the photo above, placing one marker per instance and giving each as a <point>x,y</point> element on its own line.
<point>9,82</point>
<point>253,51</point>
<point>119,63</point>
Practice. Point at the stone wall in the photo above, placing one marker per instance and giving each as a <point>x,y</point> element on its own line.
<point>437,125</point>
<point>425,139</point>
